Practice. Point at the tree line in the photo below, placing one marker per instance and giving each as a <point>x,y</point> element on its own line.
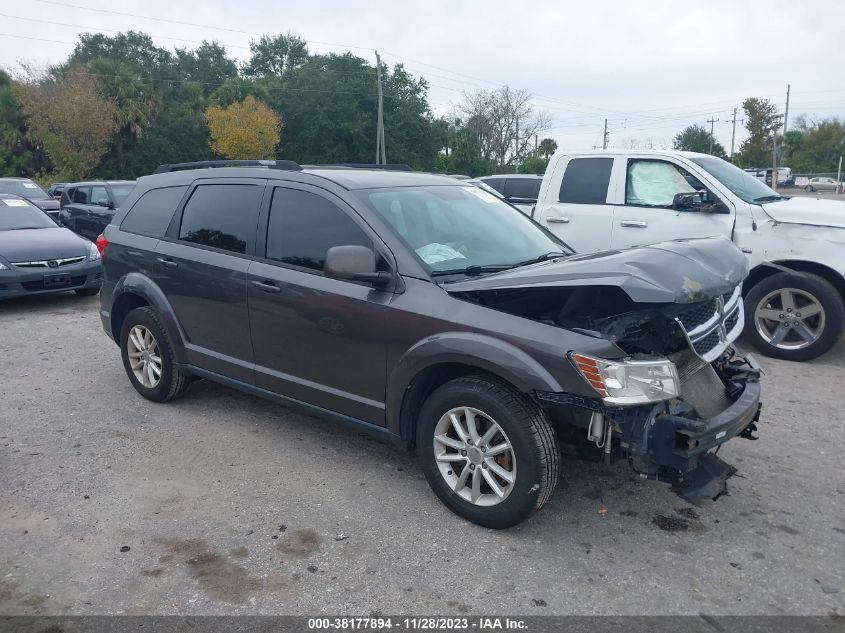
<point>120,105</point>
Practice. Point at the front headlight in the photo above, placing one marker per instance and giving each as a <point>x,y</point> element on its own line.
<point>93,253</point>
<point>630,381</point>
<point>3,266</point>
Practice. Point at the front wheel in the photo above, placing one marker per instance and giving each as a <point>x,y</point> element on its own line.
<point>808,188</point>
<point>488,452</point>
<point>794,316</point>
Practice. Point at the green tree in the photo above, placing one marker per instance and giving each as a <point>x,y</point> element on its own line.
<point>207,66</point>
<point>275,55</point>
<point>762,122</point>
<point>814,147</point>
<point>696,138</point>
<point>18,155</point>
<point>533,165</point>
<point>547,147</point>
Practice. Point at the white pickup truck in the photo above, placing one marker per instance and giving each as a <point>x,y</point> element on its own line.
<point>794,305</point>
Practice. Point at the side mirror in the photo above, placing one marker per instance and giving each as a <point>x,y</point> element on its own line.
<point>356,263</point>
<point>104,203</point>
<point>692,201</point>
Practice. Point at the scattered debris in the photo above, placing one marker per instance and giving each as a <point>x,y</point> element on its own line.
<point>538,602</point>
<point>340,536</point>
<point>312,569</point>
<point>125,548</point>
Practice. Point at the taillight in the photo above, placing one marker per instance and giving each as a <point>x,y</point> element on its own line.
<point>102,242</point>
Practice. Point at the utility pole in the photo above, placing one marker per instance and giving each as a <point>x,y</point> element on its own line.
<point>711,121</point>
<point>381,156</point>
<point>516,154</point>
<point>604,138</point>
<point>775,155</point>
<point>733,134</point>
<point>786,112</point>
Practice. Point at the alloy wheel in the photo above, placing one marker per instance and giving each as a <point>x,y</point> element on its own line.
<point>144,356</point>
<point>474,456</point>
<point>789,318</point>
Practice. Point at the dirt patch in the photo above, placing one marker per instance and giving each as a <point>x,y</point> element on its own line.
<point>300,543</point>
<point>670,524</point>
<point>688,513</point>
<point>219,577</point>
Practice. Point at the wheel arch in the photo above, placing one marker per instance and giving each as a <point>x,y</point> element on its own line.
<point>441,358</point>
<point>136,291</point>
<point>765,270</point>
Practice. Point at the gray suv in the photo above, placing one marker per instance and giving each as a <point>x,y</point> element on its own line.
<point>434,315</point>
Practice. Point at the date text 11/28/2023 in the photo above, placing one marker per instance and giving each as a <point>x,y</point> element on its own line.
<point>424,623</point>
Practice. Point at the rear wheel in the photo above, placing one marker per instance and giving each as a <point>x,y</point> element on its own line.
<point>809,188</point>
<point>148,357</point>
<point>794,316</point>
<point>487,451</point>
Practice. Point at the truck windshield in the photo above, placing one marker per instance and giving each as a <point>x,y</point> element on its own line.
<point>742,184</point>
<point>460,228</point>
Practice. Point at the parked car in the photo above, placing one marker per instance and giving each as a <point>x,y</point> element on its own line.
<point>618,199</point>
<point>26,188</point>
<point>822,183</point>
<point>520,190</point>
<point>434,315</point>
<point>88,207</point>
<point>37,256</point>
<point>55,190</point>
<point>475,182</point>
<point>785,177</point>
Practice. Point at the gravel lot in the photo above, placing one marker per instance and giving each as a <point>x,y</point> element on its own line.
<point>230,504</point>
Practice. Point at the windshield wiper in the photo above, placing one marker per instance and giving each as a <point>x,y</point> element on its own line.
<point>542,258</point>
<point>478,269</point>
<point>772,198</point>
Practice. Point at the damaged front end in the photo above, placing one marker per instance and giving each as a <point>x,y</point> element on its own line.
<point>680,389</point>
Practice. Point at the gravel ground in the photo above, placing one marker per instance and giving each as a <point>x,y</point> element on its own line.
<point>220,503</point>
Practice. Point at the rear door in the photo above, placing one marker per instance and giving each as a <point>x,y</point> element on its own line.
<point>647,215</point>
<point>317,339</point>
<point>100,211</point>
<point>75,213</point>
<point>201,267</point>
<point>576,207</point>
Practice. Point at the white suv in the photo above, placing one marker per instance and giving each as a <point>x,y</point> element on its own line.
<point>795,246</point>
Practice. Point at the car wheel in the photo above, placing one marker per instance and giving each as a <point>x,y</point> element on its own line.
<point>487,451</point>
<point>794,316</point>
<point>148,357</point>
<point>87,292</point>
<point>808,188</point>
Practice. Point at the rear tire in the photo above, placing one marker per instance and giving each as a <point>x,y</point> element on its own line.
<point>794,316</point>
<point>531,461</point>
<point>808,188</point>
<point>148,357</point>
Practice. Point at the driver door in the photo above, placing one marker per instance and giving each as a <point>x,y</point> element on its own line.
<point>647,215</point>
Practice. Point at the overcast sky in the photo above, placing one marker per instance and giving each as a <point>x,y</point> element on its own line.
<point>650,67</point>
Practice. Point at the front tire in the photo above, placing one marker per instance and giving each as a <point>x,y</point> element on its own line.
<point>148,357</point>
<point>794,316</point>
<point>808,188</point>
<point>488,452</point>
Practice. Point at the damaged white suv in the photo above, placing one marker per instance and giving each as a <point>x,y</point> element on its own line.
<point>793,297</point>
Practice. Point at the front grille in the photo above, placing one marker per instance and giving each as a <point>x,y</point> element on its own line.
<point>699,314</point>
<point>68,261</point>
<point>711,326</point>
<point>34,286</point>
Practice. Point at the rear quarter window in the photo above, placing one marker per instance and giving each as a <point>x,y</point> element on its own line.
<point>527,188</point>
<point>152,212</point>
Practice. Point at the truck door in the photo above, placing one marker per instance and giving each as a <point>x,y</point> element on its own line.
<point>647,215</point>
<point>575,205</point>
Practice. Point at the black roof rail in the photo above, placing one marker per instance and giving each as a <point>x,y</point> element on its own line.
<point>287,165</point>
<point>387,167</point>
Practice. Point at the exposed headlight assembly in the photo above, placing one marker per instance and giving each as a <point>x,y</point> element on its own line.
<point>93,253</point>
<point>623,382</point>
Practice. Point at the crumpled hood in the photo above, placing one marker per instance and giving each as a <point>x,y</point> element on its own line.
<point>681,271</point>
<point>29,245</point>
<point>813,211</point>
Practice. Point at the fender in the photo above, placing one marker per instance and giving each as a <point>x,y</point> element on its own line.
<point>487,353</point>
<point>144,287</point>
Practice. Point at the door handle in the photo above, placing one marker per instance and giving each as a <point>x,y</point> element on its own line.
<point>166,261</point>
<point>266,286</point>
<point>634,224</point>
<point>556,219</point>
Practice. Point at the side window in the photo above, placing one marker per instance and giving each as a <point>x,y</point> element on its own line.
<point>67,196</point>
<point>222,216</point>
<point>586,181</point>
<point>304,225</point>
<point>654,183</point>
<point>522,188</point>
<point>497,183</point>
<point>82,195</point>
<point>152,212</point>
<point>99,196</point>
